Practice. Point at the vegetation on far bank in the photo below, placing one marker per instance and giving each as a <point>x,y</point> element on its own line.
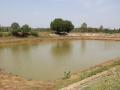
<point>58,26</point>
<point>61,27</point>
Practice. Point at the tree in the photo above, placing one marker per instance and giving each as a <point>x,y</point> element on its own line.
<point>68,26</point>
<point>24,31</point>
<point>84,26</point>
<point>59,26</point>
<point>0,28</point>
<point>25,28</point>
<point>119,29</point>
<point>101,27</point>
<point>15,26</point>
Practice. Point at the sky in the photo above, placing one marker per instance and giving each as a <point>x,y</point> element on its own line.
<point>39,13</point>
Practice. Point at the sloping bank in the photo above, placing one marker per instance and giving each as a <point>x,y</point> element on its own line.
<point>11,82</point>
<point>86,75</point>
<point>106,80</point>
<point>52,37</point>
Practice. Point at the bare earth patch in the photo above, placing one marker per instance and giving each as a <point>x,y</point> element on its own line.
<point>47,36</point>
<point>11,82</point>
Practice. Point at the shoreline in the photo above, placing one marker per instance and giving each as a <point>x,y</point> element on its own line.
<point>82,75</point>
<point>49,37</point>
<point>95,80</point>
<point>9,81</point>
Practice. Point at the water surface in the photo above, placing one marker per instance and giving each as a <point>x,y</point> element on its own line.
<point>49,60</point>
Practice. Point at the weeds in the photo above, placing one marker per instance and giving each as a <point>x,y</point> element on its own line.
<point>67,75</point>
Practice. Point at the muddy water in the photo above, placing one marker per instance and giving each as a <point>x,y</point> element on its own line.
<point>49,60</point>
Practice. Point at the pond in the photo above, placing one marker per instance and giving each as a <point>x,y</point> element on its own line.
<point>49,60</point>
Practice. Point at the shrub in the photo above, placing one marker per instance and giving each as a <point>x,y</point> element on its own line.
<point>1,34</point>
<point>35,34</point>
<point>5,34</point>
<point>60,26</point>
<point>67,75</point>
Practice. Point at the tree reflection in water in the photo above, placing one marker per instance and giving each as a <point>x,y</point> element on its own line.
<point>61,49</point>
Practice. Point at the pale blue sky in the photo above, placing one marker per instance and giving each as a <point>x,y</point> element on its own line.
<point>39,13</point>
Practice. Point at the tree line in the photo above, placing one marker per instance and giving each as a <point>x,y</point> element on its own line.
<point>16,30</point>
<point>85,29</point>
<point>58,26</point>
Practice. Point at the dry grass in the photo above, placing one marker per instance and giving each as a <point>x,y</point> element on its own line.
<point>111,82</point>
<point>87,73</point>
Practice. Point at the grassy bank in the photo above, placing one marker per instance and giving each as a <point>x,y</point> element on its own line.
<point>11,82</point>
<point>5,34</point>
<point>87,73</point>
<point>110,82</point>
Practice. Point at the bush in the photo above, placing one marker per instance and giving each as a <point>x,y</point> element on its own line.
<point>67,75</point>
<point>1,34</point>
<point>5,34</point>
<point>60,26</point>
<point>35,34</point>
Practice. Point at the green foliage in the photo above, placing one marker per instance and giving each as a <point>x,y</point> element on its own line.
<point>59,25</point>
<point>1,35</point>
<point>68,26</point>
<point>23,31</point>
<point>42,29</point>
<point>67,75</point>
<point>34,34</point>
<point>0,29</point>
<point>84,26</point>
<point>5,34</point>
<point>111,82</point>
<point>25,28</point>
<point>96,30</point>
<point>15,26</point>
<point>101,27</point>
<point>86,73</point>
<point>96,70</point>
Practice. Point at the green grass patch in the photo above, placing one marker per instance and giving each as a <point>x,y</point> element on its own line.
<point>106,83</point>
<point>85,74</point>
<point>5,34</point>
